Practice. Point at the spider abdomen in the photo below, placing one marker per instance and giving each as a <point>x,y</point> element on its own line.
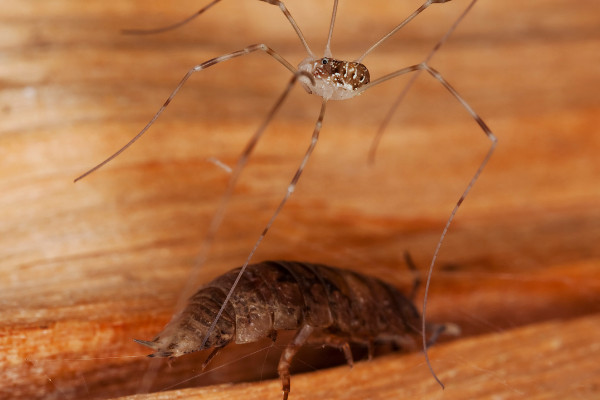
<point>334,79</point>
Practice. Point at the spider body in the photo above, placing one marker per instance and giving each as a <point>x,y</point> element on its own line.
<point>334,79</point>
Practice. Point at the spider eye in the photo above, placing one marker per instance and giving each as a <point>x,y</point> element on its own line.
<point>324,61</point>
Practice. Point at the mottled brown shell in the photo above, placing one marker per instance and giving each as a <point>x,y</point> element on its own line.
<point>284,295</point>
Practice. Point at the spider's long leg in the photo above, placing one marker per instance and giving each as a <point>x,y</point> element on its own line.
<point>424,67</point>
<point>220,213</point>
<point>290,189</point>
<point>331,24</point>
<point>197,68</point>
<point>400,26</point>
<point>400,98</point>
<point>486,159</point>
<point>172,26</point>
<point>176,25</point>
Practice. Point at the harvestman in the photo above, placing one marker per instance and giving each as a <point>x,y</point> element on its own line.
<point>330,79</point>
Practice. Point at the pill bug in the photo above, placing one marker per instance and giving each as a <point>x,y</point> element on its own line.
<point>325,305</point>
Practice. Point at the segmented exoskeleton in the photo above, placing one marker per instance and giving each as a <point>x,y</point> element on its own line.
<point>326,305</point>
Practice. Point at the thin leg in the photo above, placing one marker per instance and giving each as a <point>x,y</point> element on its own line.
<point>287,14</point>
<point>172,26</point>
<point>290,189</point>
<point>333,14</point>
<point>400,26</point>
<point>197,68</point>
<point>486,159</point>
<point>176,25</point>
<point>486,130</point>
<point>288,354</point>
<point>219,214</point>
<point>402,95</point>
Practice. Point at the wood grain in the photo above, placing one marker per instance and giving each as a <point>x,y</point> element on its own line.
<point>86,267</point>
<point>474,368</point>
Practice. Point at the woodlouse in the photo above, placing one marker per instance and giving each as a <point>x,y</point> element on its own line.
<point>326,305</point>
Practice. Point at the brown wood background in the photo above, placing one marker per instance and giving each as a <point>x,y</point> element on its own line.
<point>86,267</point>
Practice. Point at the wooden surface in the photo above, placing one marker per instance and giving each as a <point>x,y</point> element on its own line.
<point>473,368</point>
<point>86,267</point>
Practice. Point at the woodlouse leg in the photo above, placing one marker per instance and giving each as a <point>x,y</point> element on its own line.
<point>370,349</point>
<point>324,339</point>
<point>336,342</point>
<point>347,353</point>
<point>288,354</point>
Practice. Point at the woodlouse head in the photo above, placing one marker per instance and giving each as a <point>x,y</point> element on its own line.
<point>187,331</point>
